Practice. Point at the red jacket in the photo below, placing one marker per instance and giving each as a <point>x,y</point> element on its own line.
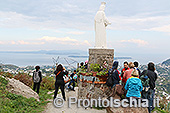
<point>124,79</point>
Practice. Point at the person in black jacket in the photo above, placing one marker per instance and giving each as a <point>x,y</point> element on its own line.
<point>115,73</point>
<point>37,78</point>
<point>60,72</point>
<point>149,94</point>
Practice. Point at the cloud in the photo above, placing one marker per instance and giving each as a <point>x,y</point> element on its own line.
<point>165,28</point>
<point>51,39</point>
<point>46,40</point>
<point>22,42</point>
<point>1,42</point>
<point>140,22</point>
<point>87,43</point>
<point>139,42</point>
<point>65,41</point>
<point>16,20</point>
<point>75,33</point>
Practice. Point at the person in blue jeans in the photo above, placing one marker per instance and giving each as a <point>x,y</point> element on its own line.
<point>150,93</point>
<point>72,80</point>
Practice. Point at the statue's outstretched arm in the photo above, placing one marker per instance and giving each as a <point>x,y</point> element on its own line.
<point>106,22</point>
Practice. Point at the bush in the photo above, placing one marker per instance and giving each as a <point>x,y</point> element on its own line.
<point>24,78</point>
<point>6,74</point>
<point>95,67</point>
<point>48,83</point>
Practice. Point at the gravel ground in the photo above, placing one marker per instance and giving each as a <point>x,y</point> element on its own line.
<point>73,109</point>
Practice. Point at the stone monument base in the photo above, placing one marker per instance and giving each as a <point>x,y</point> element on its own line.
<point>99,56</point>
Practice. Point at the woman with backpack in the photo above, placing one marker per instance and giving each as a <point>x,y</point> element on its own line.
<point>148,78</point>
<point>115,74</point>
<point>37,78</point>
<point>60,72</point>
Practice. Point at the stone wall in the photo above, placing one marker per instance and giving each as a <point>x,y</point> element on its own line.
<point>94,91</point>
<point>99,56</point>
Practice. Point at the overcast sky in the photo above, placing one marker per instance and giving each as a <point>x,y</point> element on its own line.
<point>138,26</point>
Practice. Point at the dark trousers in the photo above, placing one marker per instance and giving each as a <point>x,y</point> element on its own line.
<point>150,96</point>
<point>61,85</point>
<point>72,81</point>
<point>36,86</point>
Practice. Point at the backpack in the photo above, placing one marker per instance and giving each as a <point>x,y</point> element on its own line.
<point>36,77</point>
<point>119,90</point>
<point>145,79</point>
<point>109,81</point>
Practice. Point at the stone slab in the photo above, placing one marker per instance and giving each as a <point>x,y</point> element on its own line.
<point>99,56</point>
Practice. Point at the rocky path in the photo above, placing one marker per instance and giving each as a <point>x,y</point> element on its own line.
<point>74,109</point>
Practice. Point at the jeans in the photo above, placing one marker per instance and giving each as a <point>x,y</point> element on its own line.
<point>72,81</point>
<point>36,86</point>
<point>150,96</point>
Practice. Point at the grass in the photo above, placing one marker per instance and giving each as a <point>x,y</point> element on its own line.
<point>12,103</point>
<point>160,111</point>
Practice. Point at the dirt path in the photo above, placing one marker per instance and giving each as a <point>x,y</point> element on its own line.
<point>74,109</point>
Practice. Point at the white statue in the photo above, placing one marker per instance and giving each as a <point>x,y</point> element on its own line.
<point>100,27</point>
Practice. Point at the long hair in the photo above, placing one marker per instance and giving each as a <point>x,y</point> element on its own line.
<point>59,68</point>
<point>151,66</point>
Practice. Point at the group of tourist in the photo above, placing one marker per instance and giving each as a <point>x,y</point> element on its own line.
<point>136,84</point>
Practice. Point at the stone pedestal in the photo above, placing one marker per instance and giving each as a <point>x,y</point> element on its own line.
<point>99,56</point>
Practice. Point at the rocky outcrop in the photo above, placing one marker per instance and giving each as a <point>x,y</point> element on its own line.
<point>19,88</point>
<point>90,91</point>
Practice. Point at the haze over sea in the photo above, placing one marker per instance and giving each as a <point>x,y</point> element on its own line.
<point>25,59</point>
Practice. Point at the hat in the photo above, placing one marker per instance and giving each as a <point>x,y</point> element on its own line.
<point>135,73</point>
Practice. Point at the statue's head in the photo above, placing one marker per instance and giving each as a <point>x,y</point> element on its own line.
<point>102,6</point>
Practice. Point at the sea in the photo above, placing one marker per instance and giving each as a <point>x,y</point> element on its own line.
<point>31,59</point>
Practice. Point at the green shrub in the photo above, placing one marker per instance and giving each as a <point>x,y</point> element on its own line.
<point>48,83</point>
<point>6,74</point>
<point>95,67</point>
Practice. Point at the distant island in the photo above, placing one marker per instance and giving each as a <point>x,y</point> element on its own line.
<point>116,58</point>
<point>49,52</point>
<point>79,56</point>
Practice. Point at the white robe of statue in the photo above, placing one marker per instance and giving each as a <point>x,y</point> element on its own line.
<point>100,27</point>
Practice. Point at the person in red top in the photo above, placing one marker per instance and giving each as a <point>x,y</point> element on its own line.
<point>122,72</point>
<point>128,73</point>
